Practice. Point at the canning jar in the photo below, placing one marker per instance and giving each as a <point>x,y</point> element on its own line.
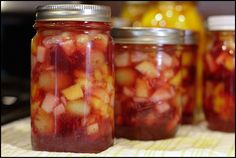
<point>147,79</point>
<point>72,79</point>
<point>219,74</point>
<point>181,15</point>
<point>188,68</point>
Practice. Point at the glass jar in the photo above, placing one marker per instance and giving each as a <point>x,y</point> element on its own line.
<point>72,87</point>
<point>219,74</point>
<point>180,15</point>
<point>147,79</point>
<point>188,68</point>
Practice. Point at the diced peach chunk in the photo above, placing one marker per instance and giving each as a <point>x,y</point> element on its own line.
<point>138,56</point>
<point>34,107</point>
<point>58,110</point>
<point>77,107</point>
<point>161,94</point>
<point>176,81</point>
<point>73,92</point>
<point>122,59</point>
<point>98,75</point>
<point>41,53</point>
<point>92,129</point>
<point>147,69</point>
<point>125,76</point>
<point>167,74</point>
<point>50,101</point>
<point>187,59</point>
<point>43,122</point>
<point>142,89</point>
<point>226,60</point>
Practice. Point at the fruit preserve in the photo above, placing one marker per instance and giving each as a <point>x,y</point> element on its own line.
<point>219,74</point>
<point>147,79</point>
<point>72,79</point>
<point>188,68</point>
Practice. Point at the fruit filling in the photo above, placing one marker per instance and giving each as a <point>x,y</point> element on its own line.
<point>219,82</point>
<point>72,89</point>
<point>147,84</point>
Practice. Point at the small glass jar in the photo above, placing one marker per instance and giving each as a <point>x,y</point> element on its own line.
<point>188,68</point>
<point>219,74</point>
<point>147,79</point>
<point>72,87</point>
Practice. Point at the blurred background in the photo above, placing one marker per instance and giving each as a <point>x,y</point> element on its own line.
<point>17,19</point>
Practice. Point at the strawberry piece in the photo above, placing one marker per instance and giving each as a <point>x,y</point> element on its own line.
<point>50,101</point>
<point>122,59</point>
<point>125,76</point>
<point>211,63</point>
<point>43,122</point>
<point>77,107</point>
<point>58,110</point>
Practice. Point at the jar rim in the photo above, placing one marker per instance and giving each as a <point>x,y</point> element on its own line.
<point>73,12</point>
<point>147,35</point>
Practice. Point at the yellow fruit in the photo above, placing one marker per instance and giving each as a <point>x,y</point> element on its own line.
<point>176,81</point>
<point>73,92</point>
<point>34,107</point>
<point>125,76</point>
<point>147,69</point>
<point>187,59</point>
<point>141,88</point>
<point>122,59</point>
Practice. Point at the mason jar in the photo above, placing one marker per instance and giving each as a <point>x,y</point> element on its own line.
<point>72,79</point>
<point>219,74</point>
<point>188,68</point>
<point>147,79</point>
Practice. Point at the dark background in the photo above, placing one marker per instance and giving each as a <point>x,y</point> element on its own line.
<point>17,19</point>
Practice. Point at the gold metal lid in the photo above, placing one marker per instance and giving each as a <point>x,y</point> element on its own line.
<point>73,12</point>
<point>147,35</point>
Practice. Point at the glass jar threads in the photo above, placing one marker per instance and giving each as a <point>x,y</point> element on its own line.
<point>72,87</point>
<point>147,79</point>
<point>219,74</point>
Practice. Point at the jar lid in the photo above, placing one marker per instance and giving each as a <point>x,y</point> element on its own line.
<point>221,22</point>
<point>190,37</point>
<point>145,35</point>
<point>73,12</point>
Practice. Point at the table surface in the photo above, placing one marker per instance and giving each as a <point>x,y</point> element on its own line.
<point>189,141</point>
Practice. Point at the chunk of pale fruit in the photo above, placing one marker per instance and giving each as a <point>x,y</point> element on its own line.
<point>148,69</point>
<point>77,107</point>
<point>50,101</point>
<point>73,92</point>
